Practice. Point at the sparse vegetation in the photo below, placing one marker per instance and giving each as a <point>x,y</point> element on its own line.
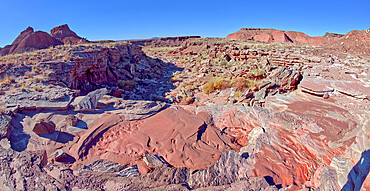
<point>36,88</point>
<point>7,80</point>
<point>208,88</point>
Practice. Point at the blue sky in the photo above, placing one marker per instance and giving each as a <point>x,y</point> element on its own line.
<point>118,20</point>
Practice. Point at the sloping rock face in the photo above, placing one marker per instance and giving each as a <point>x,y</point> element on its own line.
<point>354,42</point>
<point>181,138</point>
<point>34,41</point>
<point>66,35</point>
<point>23,35</point>
<point>29,40</point>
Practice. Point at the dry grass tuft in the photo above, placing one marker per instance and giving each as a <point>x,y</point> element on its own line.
<point>208,88</point>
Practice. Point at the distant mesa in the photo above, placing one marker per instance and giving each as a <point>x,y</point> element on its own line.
<point>30,40</point>
<point>273,35</point>
<point>354,42</point>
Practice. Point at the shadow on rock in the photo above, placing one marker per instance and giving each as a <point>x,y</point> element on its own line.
<point>271,182</point>
<point>58,136</point>
<point>17,137</point>
<point>68,159</point>
<point>19,140</point>
<point>359,172</point>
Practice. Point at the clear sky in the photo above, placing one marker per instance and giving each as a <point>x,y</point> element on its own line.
<point>122,19</point>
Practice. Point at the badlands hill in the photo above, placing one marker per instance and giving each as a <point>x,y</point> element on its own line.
<point>355,42</point>
<point>30,40</point>
<point>185,113</point>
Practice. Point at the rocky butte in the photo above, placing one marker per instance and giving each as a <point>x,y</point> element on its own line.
<point>262,109</point>
<point>29,40</point>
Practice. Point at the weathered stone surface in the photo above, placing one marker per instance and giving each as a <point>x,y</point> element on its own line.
<point>131,171</point>
<point>5,125</point>
<point>105,166</point>
<point>71,120</point>
<point>154,161</point>
<point>181,138</point>
<point>23,171</point>
<point>44,127</point>
<point>357,176</point>
<point>325,178</point>
<point>90,101</point>
<point>230,168</point>
<point>58,154</point>
<point>66,35</point>
<point>135,110</point>
<point>57,98</point>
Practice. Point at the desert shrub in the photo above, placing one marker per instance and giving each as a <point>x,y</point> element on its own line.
<point>7,80</point>
<point>187,100</point>
<point>240,83</point>
<point>224,62</point>
<point>208,88</point>
<point>127,84</point>
<point>36,88</point>
<point>220,84</point>
<point>257,71</point>
<point>252,83</point>
<point>238,93</point>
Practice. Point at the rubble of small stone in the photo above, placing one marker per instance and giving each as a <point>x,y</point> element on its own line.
<point>185,114</point>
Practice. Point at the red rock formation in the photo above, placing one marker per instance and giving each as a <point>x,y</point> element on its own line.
<point>34,41</point>
<point>29,40</point>
<point>246,33</point>
<point>23,35</point>
<point>183,139</point>
<point>66,35</point>
<point>353,42</point>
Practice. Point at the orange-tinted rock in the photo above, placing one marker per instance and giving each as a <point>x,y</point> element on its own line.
<point>246,33</point>
<point>181,138</point>
<point>357,42</point>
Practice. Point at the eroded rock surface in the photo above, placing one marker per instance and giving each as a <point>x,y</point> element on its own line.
<point>209,114</point>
